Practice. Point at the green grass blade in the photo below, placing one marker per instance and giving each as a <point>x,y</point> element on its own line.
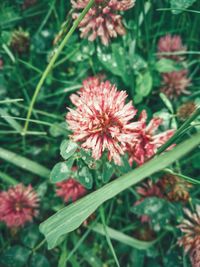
<point>123,238</point>
<point>10,120</point>
<point>24,163</point>
<point>8,179</point>
<point>72,216</point>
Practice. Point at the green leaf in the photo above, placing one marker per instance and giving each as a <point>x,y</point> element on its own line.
<point>137,62</point>
<point>123,238</point>
<point>114,61</point>
<point>61,171</point>
<point>88,159</point>
<point>24,163</point>
<point>72,216</point>
<point>38,260</point>
<point>167,102</point>
<point>179,5</point>
<point>85,177</point>
<point>144,84</point>
<point>15,256</point>
<point>156,208</point>
<point>167,65</point>
<point>108,171</point>
<point>68,148</point>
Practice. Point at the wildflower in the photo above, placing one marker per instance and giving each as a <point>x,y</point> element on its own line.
<point>28,3</point>
<point>70,190</point>
<point>175,188</point>
<point>18,205</point>
<point>145,145</point>
<point>186,110</point>
<point>20,41</point>
<point>102,20</point>
<point>175,83</point>
<point>190,227</point>
<point>144,233</point>
<point>170,44</point>
<point>101,120</point>
<point>90,86</point>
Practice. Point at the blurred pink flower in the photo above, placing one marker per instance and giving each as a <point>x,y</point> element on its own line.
<point>28,3</point>
<point>175,83</point>
<point>1,63</point>
<point>148,189</point>
<point>103,19</point>
<point>191,239</point>
<point>18,205</point>
<point>70,190</point>
<point>146,143</point>
<point>170,44</point>
<point>101,120</point>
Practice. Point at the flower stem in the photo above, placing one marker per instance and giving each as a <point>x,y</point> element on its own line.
<point>51,63</point>
<point>179,131</point>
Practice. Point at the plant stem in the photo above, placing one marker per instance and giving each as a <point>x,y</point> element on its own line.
<point>102,214</point>
<point>39,245</point>
<point>51,63</point>
<point>179,131</point>
<point>187,178</point>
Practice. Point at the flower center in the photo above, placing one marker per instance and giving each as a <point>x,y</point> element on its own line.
<point>18,206</point>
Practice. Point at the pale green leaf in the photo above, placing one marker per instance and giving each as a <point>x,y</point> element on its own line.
<point>179,5</point>
<point>67,148</point>
<point>167,65</point>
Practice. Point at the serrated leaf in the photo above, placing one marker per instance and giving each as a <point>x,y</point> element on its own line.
<point>68,148</point>
<point>72,216</point>
<point>61,171</point>
<point>108,171</point>
<point>167,65</point>
<point>85,177</point>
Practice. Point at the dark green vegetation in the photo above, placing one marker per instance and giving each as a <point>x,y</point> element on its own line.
<point>28,156</point>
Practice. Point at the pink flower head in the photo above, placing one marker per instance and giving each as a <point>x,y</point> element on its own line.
<point>101,120</point>
<point>170,44</point>
<point>148,189</point>
<point>175,83</point>
<point>145,145</point>
<point>70,190</point>
<point>89,86</point>
<point>103,19</point>
<point>18,205</point>
<point>191,240</point>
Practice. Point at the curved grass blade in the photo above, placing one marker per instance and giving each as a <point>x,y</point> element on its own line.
<point>24,163</point>
<point>123,238</point>
<point>72,216</point>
